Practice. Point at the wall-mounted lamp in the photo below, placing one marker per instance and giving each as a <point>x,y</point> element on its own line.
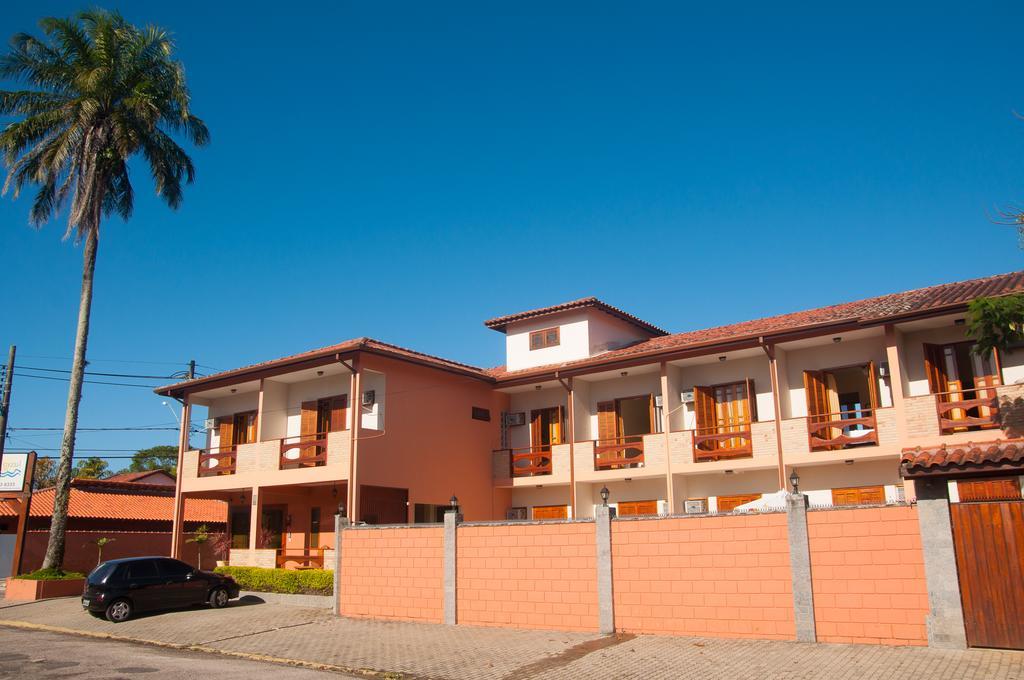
<point>794,481</point>
<point>604,496</point>
<point>454,503</point>
<point>837,339</point>
<point>341,509</point>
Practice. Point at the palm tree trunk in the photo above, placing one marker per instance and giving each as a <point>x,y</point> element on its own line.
<point>58,524</point>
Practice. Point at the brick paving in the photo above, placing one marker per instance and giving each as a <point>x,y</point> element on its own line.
<point>425,651</point>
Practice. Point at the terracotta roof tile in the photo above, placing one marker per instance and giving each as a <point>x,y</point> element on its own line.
<point>100,499</point>
<point>860,311</point>
<point>965,457</point>
<point>164,476</point>
<point>501,322</point>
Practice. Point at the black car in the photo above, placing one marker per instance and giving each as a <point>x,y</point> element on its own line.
<point>118,588</point>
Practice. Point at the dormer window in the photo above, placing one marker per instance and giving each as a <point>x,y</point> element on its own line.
<point>545,338</point>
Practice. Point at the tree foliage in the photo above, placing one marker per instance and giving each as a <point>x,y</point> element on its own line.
<point>92,467</point>
<point>45,474</point>
<point>161,457</point>
<point>996,323</point>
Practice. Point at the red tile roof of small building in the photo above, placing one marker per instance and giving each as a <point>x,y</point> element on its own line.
<point>500,323</point>
<point>933,299</point>
<point>165,478</point>
<point>106,499</point>
<point>937,460</point>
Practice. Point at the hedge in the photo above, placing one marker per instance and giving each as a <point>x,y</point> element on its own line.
<point>51,575</point>
<point>292,581</point>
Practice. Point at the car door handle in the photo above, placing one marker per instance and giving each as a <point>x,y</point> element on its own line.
<point>133,585</point>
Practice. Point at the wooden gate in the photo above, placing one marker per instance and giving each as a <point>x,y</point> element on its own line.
<point>989,540</point>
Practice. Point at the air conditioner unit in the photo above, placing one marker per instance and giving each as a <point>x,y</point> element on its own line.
<point>687,397</point>
<point>883,369</point>
<point>657,400</point>
<point>210,423</point>
<point>369,398</point>
<point>695,507</point>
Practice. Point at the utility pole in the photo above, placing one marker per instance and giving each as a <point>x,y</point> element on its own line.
<point>5,402</point>
<point>192,369</point>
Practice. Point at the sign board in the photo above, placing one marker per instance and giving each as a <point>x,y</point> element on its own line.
<point>15,475</point>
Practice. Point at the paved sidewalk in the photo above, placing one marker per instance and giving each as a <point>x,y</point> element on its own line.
<point>422,651</point>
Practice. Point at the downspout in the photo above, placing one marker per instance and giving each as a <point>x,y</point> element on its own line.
<point>352,511</point>
<point>567,384</point>
<point>773,370</point>
<point>665,429</point>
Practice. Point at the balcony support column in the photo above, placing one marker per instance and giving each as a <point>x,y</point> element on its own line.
<point>892,356</point>
<point>178,519</point>
<point>571,401</point>
<point>773,370</point>
<point>256,509</point>
<point>665,418</point>
<point>355,385</point>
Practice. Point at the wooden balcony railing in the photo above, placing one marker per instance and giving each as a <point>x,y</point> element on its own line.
<point>302,451</point>
<point>842,429</point>
<point>530,461</point>
<point>722,442</point>
<point>964,409</point>
<point>305,558</point>
<point>619,453</point>
<point>217,461</point>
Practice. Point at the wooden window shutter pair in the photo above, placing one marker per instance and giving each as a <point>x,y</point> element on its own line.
<point>339,413</point>
<point>226,430</point>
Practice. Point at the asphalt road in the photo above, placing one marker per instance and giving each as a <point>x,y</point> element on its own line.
<point>36,654</point>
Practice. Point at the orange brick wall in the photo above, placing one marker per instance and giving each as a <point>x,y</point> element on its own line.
<point>708,576</point>
<point>528,576</point>
<point>867,571</point>
<point>393,573</point>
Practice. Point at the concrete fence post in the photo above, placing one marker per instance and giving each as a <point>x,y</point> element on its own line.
<point>340,523</point>
<point>605,596</point>
<point>945,620</point>
<point>800,565</point>
<point>451,523</point>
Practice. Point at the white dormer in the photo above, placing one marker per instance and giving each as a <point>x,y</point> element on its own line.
<point>568,332</point>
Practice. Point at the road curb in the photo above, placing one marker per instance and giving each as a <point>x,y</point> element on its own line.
<point>301,663</point>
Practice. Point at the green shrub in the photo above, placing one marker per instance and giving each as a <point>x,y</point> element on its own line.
<point>304,581</point>
<point>51,575</point>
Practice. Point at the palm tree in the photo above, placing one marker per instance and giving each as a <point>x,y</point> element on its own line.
<point>102,90</point>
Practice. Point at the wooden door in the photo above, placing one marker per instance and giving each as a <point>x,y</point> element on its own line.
<point>226,430</point>
<point>999,489</point>
<point>309,422</point>
<point>635,508</point>
<point>989,542</point>
<point>730,503</point>
<point>859,495</point>
<point>607,430</point>
<point>551,512</point>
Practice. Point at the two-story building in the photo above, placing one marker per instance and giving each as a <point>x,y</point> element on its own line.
<point>592,398</point>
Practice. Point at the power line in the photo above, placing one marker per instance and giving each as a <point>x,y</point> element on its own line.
<point>91,429</point>
<point>110,361</point>
<point>90,382</point>
<point>109,375</point>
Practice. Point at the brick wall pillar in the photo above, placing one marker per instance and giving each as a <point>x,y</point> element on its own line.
<point>451,523</point>
<point>605,601</point>
<point>800,565</point>
<point>946,616</point>
<point>340,523</point>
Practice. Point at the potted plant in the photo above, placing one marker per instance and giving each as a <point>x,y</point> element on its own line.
<point>220,546</point>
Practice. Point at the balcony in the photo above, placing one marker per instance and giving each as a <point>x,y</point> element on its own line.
<point>217,461</point>
<point>303,451</point>
<point>722,442</point>
<point>842,429</point>
<point>529,461</point>
<point>975,408</point>
<point>619,453</point>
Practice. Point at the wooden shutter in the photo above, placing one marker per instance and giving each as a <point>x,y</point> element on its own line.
<point>935,367</point>
<point>859,495</point>
<point>226,429</point>
<point>251,422</point>
<point>1002,489</point>
<point>339,413</point>
<point>729,503</point>
<point>873,385</point>
<point>537,428</point>
<point>635,508</point>
<point>607,428</point>
<point>557,427</point>
<point>307,422</point>
<point>704,407</point>
<point>816,391</point>
<point>751,400</point>
<point>550,512</point>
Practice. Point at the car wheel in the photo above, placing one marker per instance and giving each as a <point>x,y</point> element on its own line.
<point>219,598</point>
<point>118,611</point>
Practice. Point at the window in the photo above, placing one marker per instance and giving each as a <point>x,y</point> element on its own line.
<point>545,338</point>
<point>142,569</point>
<point>314,528</point>
<point>636,508</point>
<point>517,513</point>
<point>721,411</point>
<point>239,521</point>
<point>480,413</point>
<point>551,512</point>
<point>171,567</point>
<point>859,495</point>
<point>999,489</point>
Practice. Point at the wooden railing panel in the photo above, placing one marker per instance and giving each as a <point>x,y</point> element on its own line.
<point>957,413</point>
<point>830,431</point>
<point>311,451</point>
<point>722,442</point>
<point>217,462</point>
<point>530,461</point>
<point>619,453</point>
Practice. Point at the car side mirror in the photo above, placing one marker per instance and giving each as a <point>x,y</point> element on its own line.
<point>190,575</point>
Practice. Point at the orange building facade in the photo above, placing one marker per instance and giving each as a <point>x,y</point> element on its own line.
<point>591,398</point>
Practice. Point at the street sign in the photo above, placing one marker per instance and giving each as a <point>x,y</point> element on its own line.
<point>15,475</point>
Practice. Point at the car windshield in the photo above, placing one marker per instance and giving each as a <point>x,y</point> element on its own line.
<point>100,573</point>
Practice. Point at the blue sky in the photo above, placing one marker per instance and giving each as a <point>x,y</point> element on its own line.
<point>406,170</point>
